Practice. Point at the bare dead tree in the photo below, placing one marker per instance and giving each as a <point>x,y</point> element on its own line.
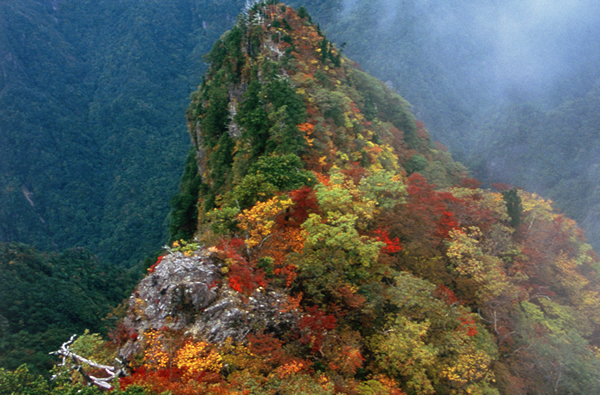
<point>77,363</point>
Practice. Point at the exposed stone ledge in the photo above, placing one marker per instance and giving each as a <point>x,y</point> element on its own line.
<point>189,294</point>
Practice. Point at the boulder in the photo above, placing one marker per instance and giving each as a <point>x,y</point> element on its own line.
<point>188,294</point>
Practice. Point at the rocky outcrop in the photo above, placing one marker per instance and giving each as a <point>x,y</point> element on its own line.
<point>188,294</point>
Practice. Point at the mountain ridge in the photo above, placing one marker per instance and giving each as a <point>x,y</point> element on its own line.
<point>312,181</point>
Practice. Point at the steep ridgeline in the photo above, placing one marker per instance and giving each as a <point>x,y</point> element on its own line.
<point>281,106</point>
<point>345,252</point>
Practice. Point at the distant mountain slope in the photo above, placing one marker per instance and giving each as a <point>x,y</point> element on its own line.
<point>45,144</point>
<point>48,297</point>
<point>91,129</point>
<point>554,152</point>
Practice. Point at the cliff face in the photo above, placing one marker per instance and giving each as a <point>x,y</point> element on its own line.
<point>277,87</point>
<point>338,249</point>
<point>185,294</point>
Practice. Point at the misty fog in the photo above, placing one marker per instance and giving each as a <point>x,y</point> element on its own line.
<point>508,86</point>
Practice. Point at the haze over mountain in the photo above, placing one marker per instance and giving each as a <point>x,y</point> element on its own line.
<point>510,87</point>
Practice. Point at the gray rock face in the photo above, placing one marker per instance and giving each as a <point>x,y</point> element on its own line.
<point>189,294</point>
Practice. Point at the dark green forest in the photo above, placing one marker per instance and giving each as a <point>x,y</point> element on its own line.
<point>46,297</point>
<point>92,127</point>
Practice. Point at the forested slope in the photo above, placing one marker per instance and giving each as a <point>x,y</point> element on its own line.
<point>314,181</point>
<point>48,297</point>
<point>91,122</point>
<point>510,87</point>
<point>313,193</point>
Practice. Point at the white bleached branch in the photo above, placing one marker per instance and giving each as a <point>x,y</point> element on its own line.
<point>77,364</point>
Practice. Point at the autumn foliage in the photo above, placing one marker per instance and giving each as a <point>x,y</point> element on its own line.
<point>403,275</point>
